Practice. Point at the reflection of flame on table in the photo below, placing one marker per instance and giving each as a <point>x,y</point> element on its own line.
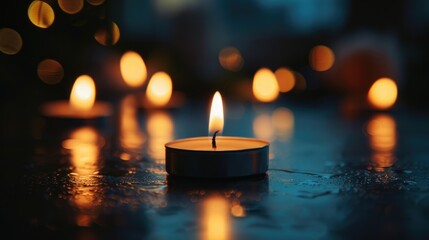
<point>84,146</point>
<point>131,138</point>
<point>215,220</point>
<point>382,139</point>
<point>160,129</point>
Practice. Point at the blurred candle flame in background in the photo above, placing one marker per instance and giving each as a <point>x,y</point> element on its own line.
<point>131,137</point>
<point>216,119</point>
<point>382,134</point>
<point>10,41</point>
<point>383,93</point>
<point>160,129</point>
<point>82,96</point>
<point>265,86</point>
<point>321,58</point>
<point>215,220</point>
<point>159,89</point>
<point>133,69</point>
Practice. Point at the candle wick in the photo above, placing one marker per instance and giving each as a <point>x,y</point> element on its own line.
<point>214,140</point>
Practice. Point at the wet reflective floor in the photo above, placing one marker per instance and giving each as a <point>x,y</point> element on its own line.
<point>330,177</point>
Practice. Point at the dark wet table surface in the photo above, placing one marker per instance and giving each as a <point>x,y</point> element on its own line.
<point>329,177</point>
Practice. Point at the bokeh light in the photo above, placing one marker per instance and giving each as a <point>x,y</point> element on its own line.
<point>133,69</point>
<point>283,122</point>
<point>95,2</point>
<point>10,41</point>
<point>108,34</point>
<point>41,14</point>
<point>285,79</point>
<point>50,71</point>
<point>230,59</point>
<point>82,96</point>
<point>159,89</point>
<point>321,58</point>
<point>71,6</point>
<point>383,93</point>
<point>262,127</point>
<point>265,86</point>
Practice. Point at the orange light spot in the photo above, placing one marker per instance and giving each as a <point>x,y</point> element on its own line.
<point>230,59</point>
<point>381,130</point>
<point>82,96</point>
<point>108,35</point>
<point>285,79</point>
<point>383,93</point>
<point>10,41</point>
<point>321,58</point>
<point>133,69</point>
<point>159,89</point>
<point>265,86</point>
<point>50,71</point>
<point>41,14</point>
<point>71,6</point>
<point>215,219</point>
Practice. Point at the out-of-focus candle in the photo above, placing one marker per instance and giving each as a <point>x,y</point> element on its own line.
<point>217,157</point>
<point>82,104</point>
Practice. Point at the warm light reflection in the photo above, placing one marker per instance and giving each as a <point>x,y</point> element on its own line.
<point>383,93</point>
<point>10,41</point>
<point>82,96</point>
<point>133,69</point>
<point>50,71</point>
<point>283,122</point>
<point>230,59</point>
<point>265,86</point>
<point>71,6</point>
<point>321,58</point>
<point>285,79</point>
<point>41,14</point>
<point>159,89</point>
<point>160,129</point>
<point>216,114</point>
<point>131,138</point>
<point>237,210</point>
<point>108,34</point>
<point>262,127</point>
<point>84,148</point>
<point>215,219</point>
<point>381,130</point>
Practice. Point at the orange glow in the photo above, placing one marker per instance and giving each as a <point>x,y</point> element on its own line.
<point>160,128</point>
<point>283,122</point>
<point>230,59</point>
<point>84,150</point>
<point>321,58</point>
<point>262,127</point>
<point>71,6</point>
<point>383,93</point>
<point>381,130</point>
<point>159,89</point>
<point>216,114</point>
<point>133,69</point>
<point>285,79</point>
<point>82,96</point>
<point>108,35</point>
<point>41,14</point>
<point>50,71</point>
<point>10,41</point>
<point>95,2</point>
<point>265,86</point>
<point>131,137</point>
<point>237,210</point>
<point>215,219</point>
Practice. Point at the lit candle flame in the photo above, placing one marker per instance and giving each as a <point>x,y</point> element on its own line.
<point>159,89</point>
<point>133,69</point>
<point>82,96</point>
<point>383,93</point>
<point>216,114</point>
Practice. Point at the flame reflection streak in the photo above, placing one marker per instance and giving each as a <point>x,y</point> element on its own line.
<point>131,137</point>
<point>215,220</point>
<point>160,129</point>
<point>382,134</point>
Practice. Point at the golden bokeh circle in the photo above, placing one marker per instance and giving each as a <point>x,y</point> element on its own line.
<point>41,14</point>
<point>108,35</point>
<point>10,41</point>
<point>71,6</point>
<point>50,71</point>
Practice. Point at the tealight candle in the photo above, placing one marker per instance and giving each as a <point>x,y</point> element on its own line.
<point>216,156</point>
<point>82,104</point>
